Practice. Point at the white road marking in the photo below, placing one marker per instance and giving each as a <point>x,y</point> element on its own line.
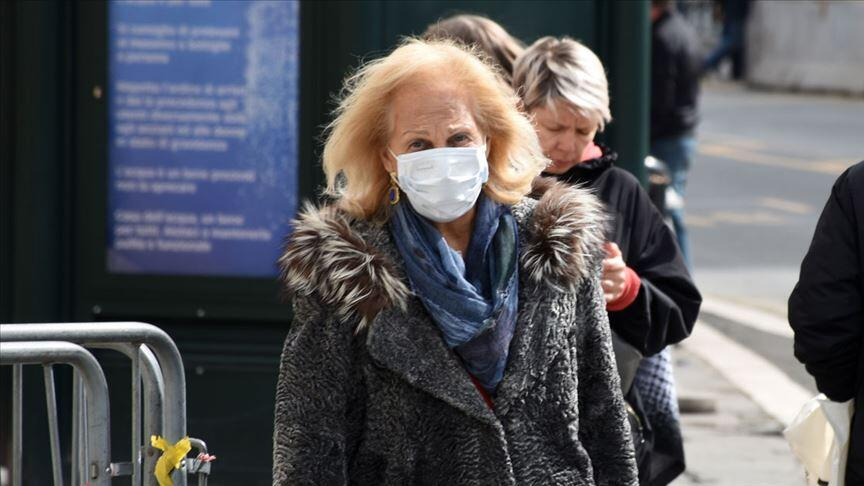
<point>746,218</point>
<point>731,139</point>
<point>752,318</point>
<point>787,205</point>
<point>730,152</point>
<point>694,220</point>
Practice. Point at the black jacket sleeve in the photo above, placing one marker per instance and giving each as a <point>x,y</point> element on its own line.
<point>826,308</point>
<point>667,305</point>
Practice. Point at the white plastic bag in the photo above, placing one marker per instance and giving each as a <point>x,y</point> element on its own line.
<point>819,437</point>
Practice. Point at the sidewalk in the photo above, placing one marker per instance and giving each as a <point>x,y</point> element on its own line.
<point>739,444</point>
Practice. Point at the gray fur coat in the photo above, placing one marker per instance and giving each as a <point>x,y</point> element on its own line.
<point>368,392</point>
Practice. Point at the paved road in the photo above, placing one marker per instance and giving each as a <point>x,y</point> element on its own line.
<point>765,167</point>
<point>764,170</point>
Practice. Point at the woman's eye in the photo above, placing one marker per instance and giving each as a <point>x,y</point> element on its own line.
<point>416,145</point>
<point>460,139</point>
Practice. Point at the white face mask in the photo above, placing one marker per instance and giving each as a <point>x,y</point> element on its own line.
<point>442,184</point>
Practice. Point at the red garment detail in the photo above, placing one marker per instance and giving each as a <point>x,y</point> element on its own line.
<point>632,283</point>
<point>482,391</point>
<point>592,151</point>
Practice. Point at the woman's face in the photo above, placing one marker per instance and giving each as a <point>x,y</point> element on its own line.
<point>563,135</point>
<point>427,115</point>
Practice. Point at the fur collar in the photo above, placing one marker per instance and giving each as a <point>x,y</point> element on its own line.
<point>328,257</point>
<point>350,264</point>
<point>564,236</point>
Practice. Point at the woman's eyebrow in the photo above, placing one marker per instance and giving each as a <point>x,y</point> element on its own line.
<point>419,131</point>
<point>460,127</point>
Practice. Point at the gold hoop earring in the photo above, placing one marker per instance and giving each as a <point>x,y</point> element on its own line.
<point>393,191</point>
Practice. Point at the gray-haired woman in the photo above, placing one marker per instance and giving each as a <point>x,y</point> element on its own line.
<point>651,299</point>
<point>445,330</point>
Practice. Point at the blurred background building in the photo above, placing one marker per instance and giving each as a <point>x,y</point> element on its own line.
<point>807,46</point>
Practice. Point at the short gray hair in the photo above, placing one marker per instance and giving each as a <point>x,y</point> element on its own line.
<point>553,69</point>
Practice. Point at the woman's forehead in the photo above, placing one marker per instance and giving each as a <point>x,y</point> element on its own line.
<point>564,114</point>
<point>432,104</point>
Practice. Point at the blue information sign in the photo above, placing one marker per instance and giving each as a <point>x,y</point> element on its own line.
<point>203,135</point>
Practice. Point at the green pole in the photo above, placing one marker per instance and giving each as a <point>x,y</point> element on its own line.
<point>627,49</point>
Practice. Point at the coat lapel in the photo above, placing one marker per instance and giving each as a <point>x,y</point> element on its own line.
<point>407,342</point>
<point>410,345</point>
<point>537,341</point>
<point>554,258</point>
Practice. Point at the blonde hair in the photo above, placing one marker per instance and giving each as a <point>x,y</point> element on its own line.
<point>553,69</point>
<point>485,34</point>
<point>359,133</point>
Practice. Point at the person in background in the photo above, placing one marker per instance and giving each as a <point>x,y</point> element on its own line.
<point>483,34</point>
<point>650,298</point>
<point>826,308</point>
<point>675,65</point>
<point>447,328</point>
<point>735,13</point>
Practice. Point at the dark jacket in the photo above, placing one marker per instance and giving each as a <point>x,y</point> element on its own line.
<point>667,305</point>
<point>368,392</point>
<point>668,302</point>
<point>675,65</point>
<point>826,308</point>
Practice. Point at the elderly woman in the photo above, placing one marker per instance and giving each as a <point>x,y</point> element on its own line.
<point>651,299</point>
<point>445,330</point>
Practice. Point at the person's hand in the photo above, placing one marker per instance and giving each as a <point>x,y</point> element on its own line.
<point>614,280</point>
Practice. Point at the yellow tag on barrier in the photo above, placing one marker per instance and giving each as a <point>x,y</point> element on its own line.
<point>172,456</point>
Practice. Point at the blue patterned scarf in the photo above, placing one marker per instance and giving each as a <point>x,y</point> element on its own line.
<point>474,299</point>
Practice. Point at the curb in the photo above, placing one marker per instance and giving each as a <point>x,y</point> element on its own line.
<point>770,388</point>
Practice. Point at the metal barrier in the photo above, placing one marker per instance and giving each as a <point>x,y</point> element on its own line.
<point>98,437</point>
<point>154,393</point>
<point>155,361</point>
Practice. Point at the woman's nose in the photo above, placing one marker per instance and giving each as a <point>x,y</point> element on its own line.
<point>567,142</point>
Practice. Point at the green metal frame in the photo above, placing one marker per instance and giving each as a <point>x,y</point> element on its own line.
<point>36,183</point>
<point>7,154</point>
<point>103,295</point>
<point>625,48</point>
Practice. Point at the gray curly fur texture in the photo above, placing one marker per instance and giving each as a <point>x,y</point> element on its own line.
<point>328,258</point>
<point>393,405</point>
<point>565,234</point>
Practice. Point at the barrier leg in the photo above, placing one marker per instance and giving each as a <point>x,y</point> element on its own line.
<point>53,427</point>
<point>17,421</point>
<point>75,462</point>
